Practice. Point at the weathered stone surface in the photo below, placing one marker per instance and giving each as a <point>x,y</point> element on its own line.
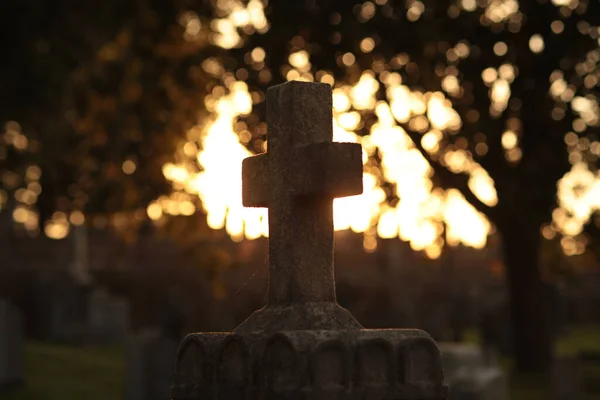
<point>302,345</point>
<point>355,364</point>
<point>319,316</point>
<point>305,171</point>
<point>298,179</point>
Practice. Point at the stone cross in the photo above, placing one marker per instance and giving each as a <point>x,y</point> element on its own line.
<point>303,344</point>
<point>297,179</point>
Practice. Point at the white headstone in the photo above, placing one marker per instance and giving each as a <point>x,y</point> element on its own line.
<point>150,360</point>
<point>109,316</point>
<point>472,375</point>
<point>97,310</point>
<point>118,318</point>
<point>11,345</point>
<point>80,266</point>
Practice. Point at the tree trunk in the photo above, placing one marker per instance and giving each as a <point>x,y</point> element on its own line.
<point>531,334</point>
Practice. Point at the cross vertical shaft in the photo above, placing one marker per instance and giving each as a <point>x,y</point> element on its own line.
<point>298,115</point>
<point>298,179</point>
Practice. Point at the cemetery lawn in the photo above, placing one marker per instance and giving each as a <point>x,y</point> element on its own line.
<point>579,339</point>
<point>59,372</point>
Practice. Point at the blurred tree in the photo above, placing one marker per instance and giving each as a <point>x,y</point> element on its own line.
<point>42,43</point>
<point>84,102</point>
<point>593,235</point>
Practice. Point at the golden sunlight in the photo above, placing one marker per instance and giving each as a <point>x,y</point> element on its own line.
<point>419,215</point>
<point>207,171</point>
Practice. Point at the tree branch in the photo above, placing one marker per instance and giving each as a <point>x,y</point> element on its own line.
<point>450,180</point>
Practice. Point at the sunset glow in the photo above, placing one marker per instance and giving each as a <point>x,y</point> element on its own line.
<point>424,216</point>
<point>375,105</point>
<point>419,216</point>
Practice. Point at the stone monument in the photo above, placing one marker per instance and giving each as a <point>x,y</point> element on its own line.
<point>303,344</point>
<point>12,346</point>
<point>149,372</point>
<point>79,268</point>
<point>470,373</point>
<point>108,317</point>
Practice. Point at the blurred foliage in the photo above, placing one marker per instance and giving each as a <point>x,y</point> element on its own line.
<point>96,87</point>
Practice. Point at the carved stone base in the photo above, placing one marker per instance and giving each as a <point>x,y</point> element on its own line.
<point>308,365</point>
<point>299,317</point>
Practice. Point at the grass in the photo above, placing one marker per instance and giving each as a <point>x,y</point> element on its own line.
<point>59,372</point>
<point>581,338</point>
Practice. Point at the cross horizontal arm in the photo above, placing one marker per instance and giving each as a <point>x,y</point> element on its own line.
<point>327,169</point>
<point>255,185</point>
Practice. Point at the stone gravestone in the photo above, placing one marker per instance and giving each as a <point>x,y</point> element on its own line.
<point>119,316</point>
<point>558,312</point>
<point>12,345</point>
<point>302,344</point>
<point>567,379</point>
<point>495,327</point>
<point>151,356</point>
<point>150,359</point>
<point>59,308</point>
<point>471,375</point>
<point>80,265</point>
<point>109,317</point>
<point>589,360</point>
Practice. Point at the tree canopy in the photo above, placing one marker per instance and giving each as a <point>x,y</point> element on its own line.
<point>134,78</point>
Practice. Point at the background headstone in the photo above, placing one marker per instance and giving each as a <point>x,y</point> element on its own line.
<point>11,345</point>
<point>80,265</point>
<point>567,379</point>
<point>495,326</point>
<point>59,308</point>
<point>558,312</point>
<point>150,360</point>
<point>109,317</point>
<point>472,375</point>
<point>589,363</point>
